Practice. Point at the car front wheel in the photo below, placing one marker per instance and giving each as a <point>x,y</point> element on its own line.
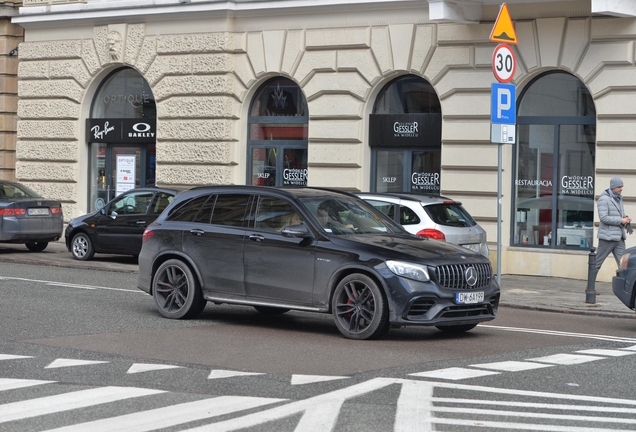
<point>37,246</point>
<point>176,291</point>
<point>82,247</point>
<point>360,308</point>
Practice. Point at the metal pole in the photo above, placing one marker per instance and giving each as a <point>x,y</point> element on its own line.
<point>499,217</point>
<point>590,291</point>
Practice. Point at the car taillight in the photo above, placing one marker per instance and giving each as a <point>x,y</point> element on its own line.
<point>56,210</point>
<point>147,235</point>
<point>12,212</point>
<point>432,234</point>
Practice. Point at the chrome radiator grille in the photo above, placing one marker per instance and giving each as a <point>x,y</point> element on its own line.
<point>455,276</point>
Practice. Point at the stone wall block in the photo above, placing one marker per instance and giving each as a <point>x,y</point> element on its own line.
<point>293,51</point>
<point>194,175</point>
<point>464,34</point>
<point>256,52</point>
<point>73,69</point>
<point>212,63</point>
<point>334,153</point>
<point>575,42</point>
<point>616,131</point>
<point>381,45</point>
<point>134,40</point>
<point>195,43</point>
<point>147,54</point>
<point>613,28</point>
<point>8,103</point>
<point>100,39</point>
<point>613,159</point>
<point>342,82</point>
<point>7,141</point>
<point>527,50</point>
<point>33,70</point>
<point>90,58</point>
<point>483,55</point>
<point>274,44</point>
<point>423,47</point>
<point>198,107</point>
<point>617,103</point>
<point>9,29</point>
<point>51,129</point>
<point>335,105</point>
<point>401,45</point>
<point>168,65</point>
<point>338,38</point>
<point>60,151</point>
<point>195,153</point>
<point>466,130</point>
<point>196,130</point>
<point>475,155</point>
<point>601,54</point>
<point>8,123</point>
<point>612,78</point>
<point>361,61</point>
<point>58,191</point>
<point>335,131</point>
<point>445,58</point>
<point>9,65</point>
<point>53,89</point>
<point>460,80</point>
<point>243,69</point>
<point>334,177</point>
<point>550,33</point>
<point>480,181</point>
<point>50,50</point>
<point>9,84</point>
<point>48,108</point>
<point>198,85</point>
<point>45,171</point>
<point>467,104</point>
<point>313,62</point>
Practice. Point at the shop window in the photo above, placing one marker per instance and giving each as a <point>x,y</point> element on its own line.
<point>555,164</point>
<point>405,137</point>
<point>277,139</point>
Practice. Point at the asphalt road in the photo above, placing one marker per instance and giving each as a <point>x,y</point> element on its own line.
<point>67,331</point>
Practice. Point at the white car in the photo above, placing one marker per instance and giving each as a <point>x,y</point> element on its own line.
<point>435,217</point>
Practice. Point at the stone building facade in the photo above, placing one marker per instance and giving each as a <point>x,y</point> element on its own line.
<point>206,65</point>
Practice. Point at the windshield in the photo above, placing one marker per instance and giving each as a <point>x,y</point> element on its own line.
<point>342,215</point>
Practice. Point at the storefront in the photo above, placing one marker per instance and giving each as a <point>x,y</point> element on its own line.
<point>384,96</point>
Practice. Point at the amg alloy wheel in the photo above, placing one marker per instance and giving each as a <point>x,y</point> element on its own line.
<point>176,291</point>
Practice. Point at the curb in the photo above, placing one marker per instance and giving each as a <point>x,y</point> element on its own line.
<point>605,314</point>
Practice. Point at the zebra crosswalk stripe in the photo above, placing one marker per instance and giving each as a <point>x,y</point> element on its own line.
<point>10,384</point>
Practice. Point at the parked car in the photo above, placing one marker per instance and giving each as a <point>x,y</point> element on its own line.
<point>624,283</point>
<point>117,228</point>
<point>232,244</point>
<point>27,218</point>
<point>435,217</point>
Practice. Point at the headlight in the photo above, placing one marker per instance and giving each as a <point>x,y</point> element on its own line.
<point>408,270</point>
<point>624,261</point>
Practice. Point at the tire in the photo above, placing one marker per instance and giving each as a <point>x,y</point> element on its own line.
<point>360,308</point>
<point>82,247</point>
<point>271,310</point>
<point>37,246</point>
<point>457,328</point>
<point>176,291</point>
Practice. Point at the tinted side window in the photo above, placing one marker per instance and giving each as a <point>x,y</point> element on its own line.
<point>161,202</point>
<point>230,209</point>
<point>408,216</point>
<point>274,214</point>
<point>205,214</point>
<point>450,215</point>
<point>187,211</point>
<point>133,203</point>
<point>385,207</point>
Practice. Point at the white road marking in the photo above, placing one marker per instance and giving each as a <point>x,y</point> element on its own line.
<point>308,379</point>
<point>146,367</point>
<point>566,359</point>
<point>69,401</point>
<point>171,416</point>
<point>414,407</point>
<point>220,373</point>
<point>69,285</point>
<point>560,333</point>
<point>62,362</point>
<point>11,384</point>
<point>511,366</point>
<point>522,426</point>
<point>606,352</point>
<point>13,357</point>
<point>453,373</point>
<point>631,348</point>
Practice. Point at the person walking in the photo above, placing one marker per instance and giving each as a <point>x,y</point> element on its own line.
<point>614,224</point>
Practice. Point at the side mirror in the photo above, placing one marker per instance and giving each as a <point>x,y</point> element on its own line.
<point>297,231</point>
<point>113,215</point>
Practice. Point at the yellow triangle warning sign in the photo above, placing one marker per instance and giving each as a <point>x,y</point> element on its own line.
<point>503,31</point>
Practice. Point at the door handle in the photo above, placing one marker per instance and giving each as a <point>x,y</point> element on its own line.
<point>197,232</point>
<point>141,223</point>
<point>257,237</point>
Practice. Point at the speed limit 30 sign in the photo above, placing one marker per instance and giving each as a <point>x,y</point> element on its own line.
<point>504,63</point>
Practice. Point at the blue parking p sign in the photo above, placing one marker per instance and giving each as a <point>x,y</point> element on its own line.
<point>503,104</point>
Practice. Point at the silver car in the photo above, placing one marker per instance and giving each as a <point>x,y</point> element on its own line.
<point>435,217</point>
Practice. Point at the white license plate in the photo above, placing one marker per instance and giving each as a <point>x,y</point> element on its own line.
<point>38,211</point>
<point>473,247</point>
<point>469,297</point>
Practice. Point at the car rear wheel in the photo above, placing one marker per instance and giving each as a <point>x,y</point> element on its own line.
<point>82,247</point>
<point>176,291</point>
<point>37,246</point>
<point>360,308</point>
<point>271,310</point>
<point>457,328</point>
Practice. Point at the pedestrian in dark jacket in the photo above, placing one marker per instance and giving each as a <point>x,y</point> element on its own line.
<point>614,224</point>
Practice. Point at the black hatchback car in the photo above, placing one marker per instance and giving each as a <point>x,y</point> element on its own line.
<point>118,227</point>
<point>313,250</point>
<point>624,283</point>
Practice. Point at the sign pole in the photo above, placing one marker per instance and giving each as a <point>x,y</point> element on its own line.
<point>499,197</point>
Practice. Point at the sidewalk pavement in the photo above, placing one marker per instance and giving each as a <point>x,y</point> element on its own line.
<point>524,292</point>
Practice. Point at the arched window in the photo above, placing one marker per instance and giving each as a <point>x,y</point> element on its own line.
<point>121,133</point>
<point>405,135</point>
<point>555,164</point>
<point>277,139</point>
